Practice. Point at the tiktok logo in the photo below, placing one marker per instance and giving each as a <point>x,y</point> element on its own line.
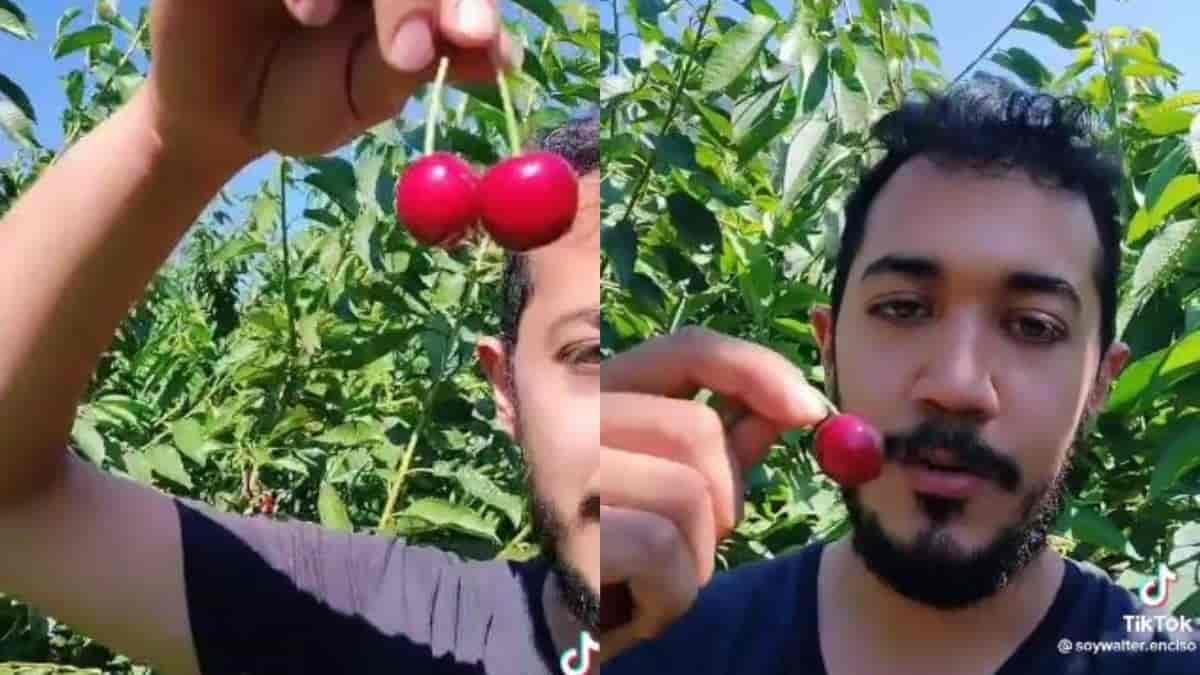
<point>1154,592</point>
<point>579,661</point>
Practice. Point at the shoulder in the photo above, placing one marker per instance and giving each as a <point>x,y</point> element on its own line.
<point>1106,614</point>
<point>741,617</point>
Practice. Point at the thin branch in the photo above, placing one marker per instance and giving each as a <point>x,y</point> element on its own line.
<point>616,11</point>
<point>686,70</point>
<point>995,40</point>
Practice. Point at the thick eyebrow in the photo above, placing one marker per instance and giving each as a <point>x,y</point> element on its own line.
<point>589,314</point>
<point>920,268</point>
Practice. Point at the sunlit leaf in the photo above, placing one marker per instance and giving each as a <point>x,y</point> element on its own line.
<point>735,52</point>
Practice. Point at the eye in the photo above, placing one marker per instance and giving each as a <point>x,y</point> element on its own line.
<point>1038,331</point>
<point>583,354</point>
<point>901,310</point>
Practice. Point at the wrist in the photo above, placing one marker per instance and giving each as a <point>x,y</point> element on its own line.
<point>170,148</point>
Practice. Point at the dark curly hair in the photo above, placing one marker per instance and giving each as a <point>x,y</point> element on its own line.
<point>989,123</point>
<point>577,141</point>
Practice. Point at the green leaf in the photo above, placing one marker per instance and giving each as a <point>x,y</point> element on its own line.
<point>443,514</point>
<point>1168,117</point>
<point>164,460</point>
<point>332,510</point>
<point>1160,258</point>
<point>355,433</point>
<point>335,177</point>
<point>696,225</point>
<point>1090,526</point>
<point>14,21</point>
<point>449,289</point>
<point>1144,378</point>
<point>547,12</point>
<point>816,83</point>
<point>471,146</point>
<point>1181,190</point>
<point>437,341</point>
<point>1181,453</point>
<point>620,244</point>
<point>872,70</point>
<point>1189,607</point>
<point>751,110</point>
<point>89,440</point>
<point>1065,34</point>
<point>797,45</point>
<point>91,36</point>
<point>675,150</point>
<point>802,155</point>
<point>138,467</point>
<point>484,489</point>
<point>1024,65</point>
<point>1167,169</point>
<point>735,52</point>
<point>16,125</point>
<point>1194,140</point>
<point>190,438</point>
<point>17,96</point>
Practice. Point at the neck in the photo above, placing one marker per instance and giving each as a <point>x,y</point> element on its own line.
<point>1019,607</point>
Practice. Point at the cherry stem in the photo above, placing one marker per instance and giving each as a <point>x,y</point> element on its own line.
<point>435,105</point>
<point>510,117</point>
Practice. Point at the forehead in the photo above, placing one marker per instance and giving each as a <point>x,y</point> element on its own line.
<point>566,273</point>
<point>981,225</point>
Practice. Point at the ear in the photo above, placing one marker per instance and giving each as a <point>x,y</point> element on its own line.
<point>822,322</point>
<point>492,355</point>
<point>1110,367</point>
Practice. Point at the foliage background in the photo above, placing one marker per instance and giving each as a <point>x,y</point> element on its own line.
<point>732,134</point>
<point>300,356</point>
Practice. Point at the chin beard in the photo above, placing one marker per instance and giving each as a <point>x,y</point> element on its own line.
<point>579,598</point>
<point>935,571</point>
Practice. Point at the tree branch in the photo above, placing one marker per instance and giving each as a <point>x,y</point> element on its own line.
<point>992,44</point>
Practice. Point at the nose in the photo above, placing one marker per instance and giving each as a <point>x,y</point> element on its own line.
<point>956,379</point>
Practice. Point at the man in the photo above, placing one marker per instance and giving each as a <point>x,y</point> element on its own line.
<point>972,322</point>
<point>176,583</point>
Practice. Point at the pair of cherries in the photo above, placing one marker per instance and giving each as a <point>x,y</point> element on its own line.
<point>524,202</point>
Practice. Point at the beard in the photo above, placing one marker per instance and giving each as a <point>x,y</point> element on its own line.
<point>550,530</point>
<point>934,570</point>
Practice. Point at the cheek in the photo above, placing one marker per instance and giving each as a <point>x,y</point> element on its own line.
<point>560,417</point>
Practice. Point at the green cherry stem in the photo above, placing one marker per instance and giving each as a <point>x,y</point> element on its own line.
<point>510,117</point>
<point>435,105</point>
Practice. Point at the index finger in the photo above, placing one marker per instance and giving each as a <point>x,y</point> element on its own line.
<point>695,358</point>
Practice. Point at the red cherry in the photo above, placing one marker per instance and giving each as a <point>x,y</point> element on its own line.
<point>437,199</point>
<point>529,201</point>
<point>849,450</point>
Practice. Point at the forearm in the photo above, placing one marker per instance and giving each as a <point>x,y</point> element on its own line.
<point>76,252</point>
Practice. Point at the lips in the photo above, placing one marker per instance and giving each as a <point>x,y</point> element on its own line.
<point>941,482</point>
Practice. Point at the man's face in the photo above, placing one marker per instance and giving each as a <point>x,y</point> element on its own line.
<point>958,345</point>
<point>554,410</point>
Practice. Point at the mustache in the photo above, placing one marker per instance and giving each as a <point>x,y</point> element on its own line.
<point>964,444</point>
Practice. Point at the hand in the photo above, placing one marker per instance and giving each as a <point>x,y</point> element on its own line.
<point>670,473</point>
<point>233,79</point>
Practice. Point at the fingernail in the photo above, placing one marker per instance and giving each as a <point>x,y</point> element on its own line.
<point>412,47</point>
<point>476,18</point>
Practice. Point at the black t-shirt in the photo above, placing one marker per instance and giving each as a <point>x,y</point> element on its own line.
<point>276,597</point>
<point>761,618</point>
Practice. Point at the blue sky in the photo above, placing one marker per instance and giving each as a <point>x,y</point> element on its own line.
<point>963,28</point>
